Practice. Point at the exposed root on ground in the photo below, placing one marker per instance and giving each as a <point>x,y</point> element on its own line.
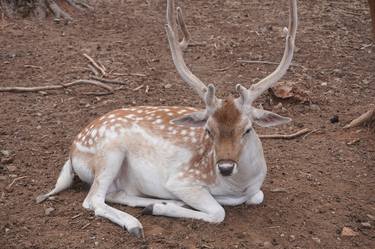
<point>42,8</point>
<point>97,80</point>
<point>287,136</point>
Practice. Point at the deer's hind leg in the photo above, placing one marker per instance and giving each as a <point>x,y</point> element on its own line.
<point>110,165</point>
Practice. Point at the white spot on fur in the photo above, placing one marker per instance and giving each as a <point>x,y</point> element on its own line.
<point>93,133</point>
<point>158,121</point>
<point>102,130</point>
<point>112,116</point>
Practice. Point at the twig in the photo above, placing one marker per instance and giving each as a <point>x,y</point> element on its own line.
<point>265,62</point>
<point>54,87</point>
<point>14,181</point>
<point>85,226</point>
<point>130,74</point>
<point>76,216</point>
<point>109,81</point>
<point>288,136</point>
<point>309,133</point>
<point>137,88</point>
<point>95,64</point>
<point>225,68</point>
<point>93,70</point>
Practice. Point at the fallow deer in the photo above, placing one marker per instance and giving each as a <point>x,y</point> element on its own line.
<point>177,161</point>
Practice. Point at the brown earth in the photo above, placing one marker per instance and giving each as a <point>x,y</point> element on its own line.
<point>316,185</point>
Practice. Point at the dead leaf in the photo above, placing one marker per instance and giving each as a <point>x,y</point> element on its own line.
<point>289,90</point>
<point>348,232</point>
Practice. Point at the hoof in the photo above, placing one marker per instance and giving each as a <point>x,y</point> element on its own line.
<point>148,209</point>
<point>137,232</point>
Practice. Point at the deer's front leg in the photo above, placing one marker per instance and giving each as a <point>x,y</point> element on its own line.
<point>197,197</point>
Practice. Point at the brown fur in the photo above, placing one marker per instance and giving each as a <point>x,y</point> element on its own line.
<point>227,117</point>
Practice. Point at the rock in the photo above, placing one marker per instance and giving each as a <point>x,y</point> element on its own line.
<point>96,243</point>
<point>5,152</point>
<point>348,232</point>
<point>267,244</point>
<point>334,119</point>
<point>292,238</point>
<point>316,239</point>
<point>167,86</point>
<point>366,224</point>
<point>48,210</point>
<point>314,107</point>
<point>7,230</point>
<point>323,84</point>
<point>11,168</point>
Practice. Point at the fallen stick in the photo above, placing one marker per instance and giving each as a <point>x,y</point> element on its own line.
<point>225,68</point>
<point>85,226</point>
<point>366,118</point>
<point>265,62</point>
<point>14,181</point>
<point>130,74</point>
<point>288,136</point>
<point>54,87</point>
<point>95,64</point>
<point>109,81</point>
<point>93,70</point>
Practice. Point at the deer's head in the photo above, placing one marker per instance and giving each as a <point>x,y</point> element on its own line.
<point>228,122</point>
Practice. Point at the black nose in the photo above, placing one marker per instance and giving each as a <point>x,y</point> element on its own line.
<point>226,167</point>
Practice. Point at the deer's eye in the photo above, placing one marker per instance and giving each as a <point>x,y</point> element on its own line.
<point>248,130</point>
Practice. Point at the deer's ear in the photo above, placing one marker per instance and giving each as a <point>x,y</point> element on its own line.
<point>195,119</point>
<point>265,118</point>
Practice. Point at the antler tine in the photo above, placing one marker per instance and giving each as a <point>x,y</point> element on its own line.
<point>173,20</point>
<point>177,54</point>
<point>180,20</point>
<point>257,89</point>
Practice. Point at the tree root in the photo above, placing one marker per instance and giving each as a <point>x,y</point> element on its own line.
<point>42,8</point>
<point>366,119</point>
<point>54,87</point>
<point>288,136</point>
<point>98,80</point>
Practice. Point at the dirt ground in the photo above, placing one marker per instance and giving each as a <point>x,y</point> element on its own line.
<point>316,185</point>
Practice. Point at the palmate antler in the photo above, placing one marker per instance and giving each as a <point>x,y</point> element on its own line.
<point>249,95</point>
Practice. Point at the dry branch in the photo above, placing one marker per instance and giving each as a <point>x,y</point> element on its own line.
<point>95,64</point>
<point>117,82</point>
<point>367,118</point>
<point>13,182</point>
<point>54,87</point>
<point>265,62</point>
<point>288,136</point>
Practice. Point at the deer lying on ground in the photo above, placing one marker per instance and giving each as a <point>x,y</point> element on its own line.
<point>177,161</point>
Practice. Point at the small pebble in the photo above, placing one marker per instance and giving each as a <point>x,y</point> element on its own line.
<point>316,239</point>
<point>366,224</point>
<point>11,168</point>
<point>334,119</point>
<point>96,243</point>
<point>267,244</point>
<point>348,232</point>
<point>49,210</point>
